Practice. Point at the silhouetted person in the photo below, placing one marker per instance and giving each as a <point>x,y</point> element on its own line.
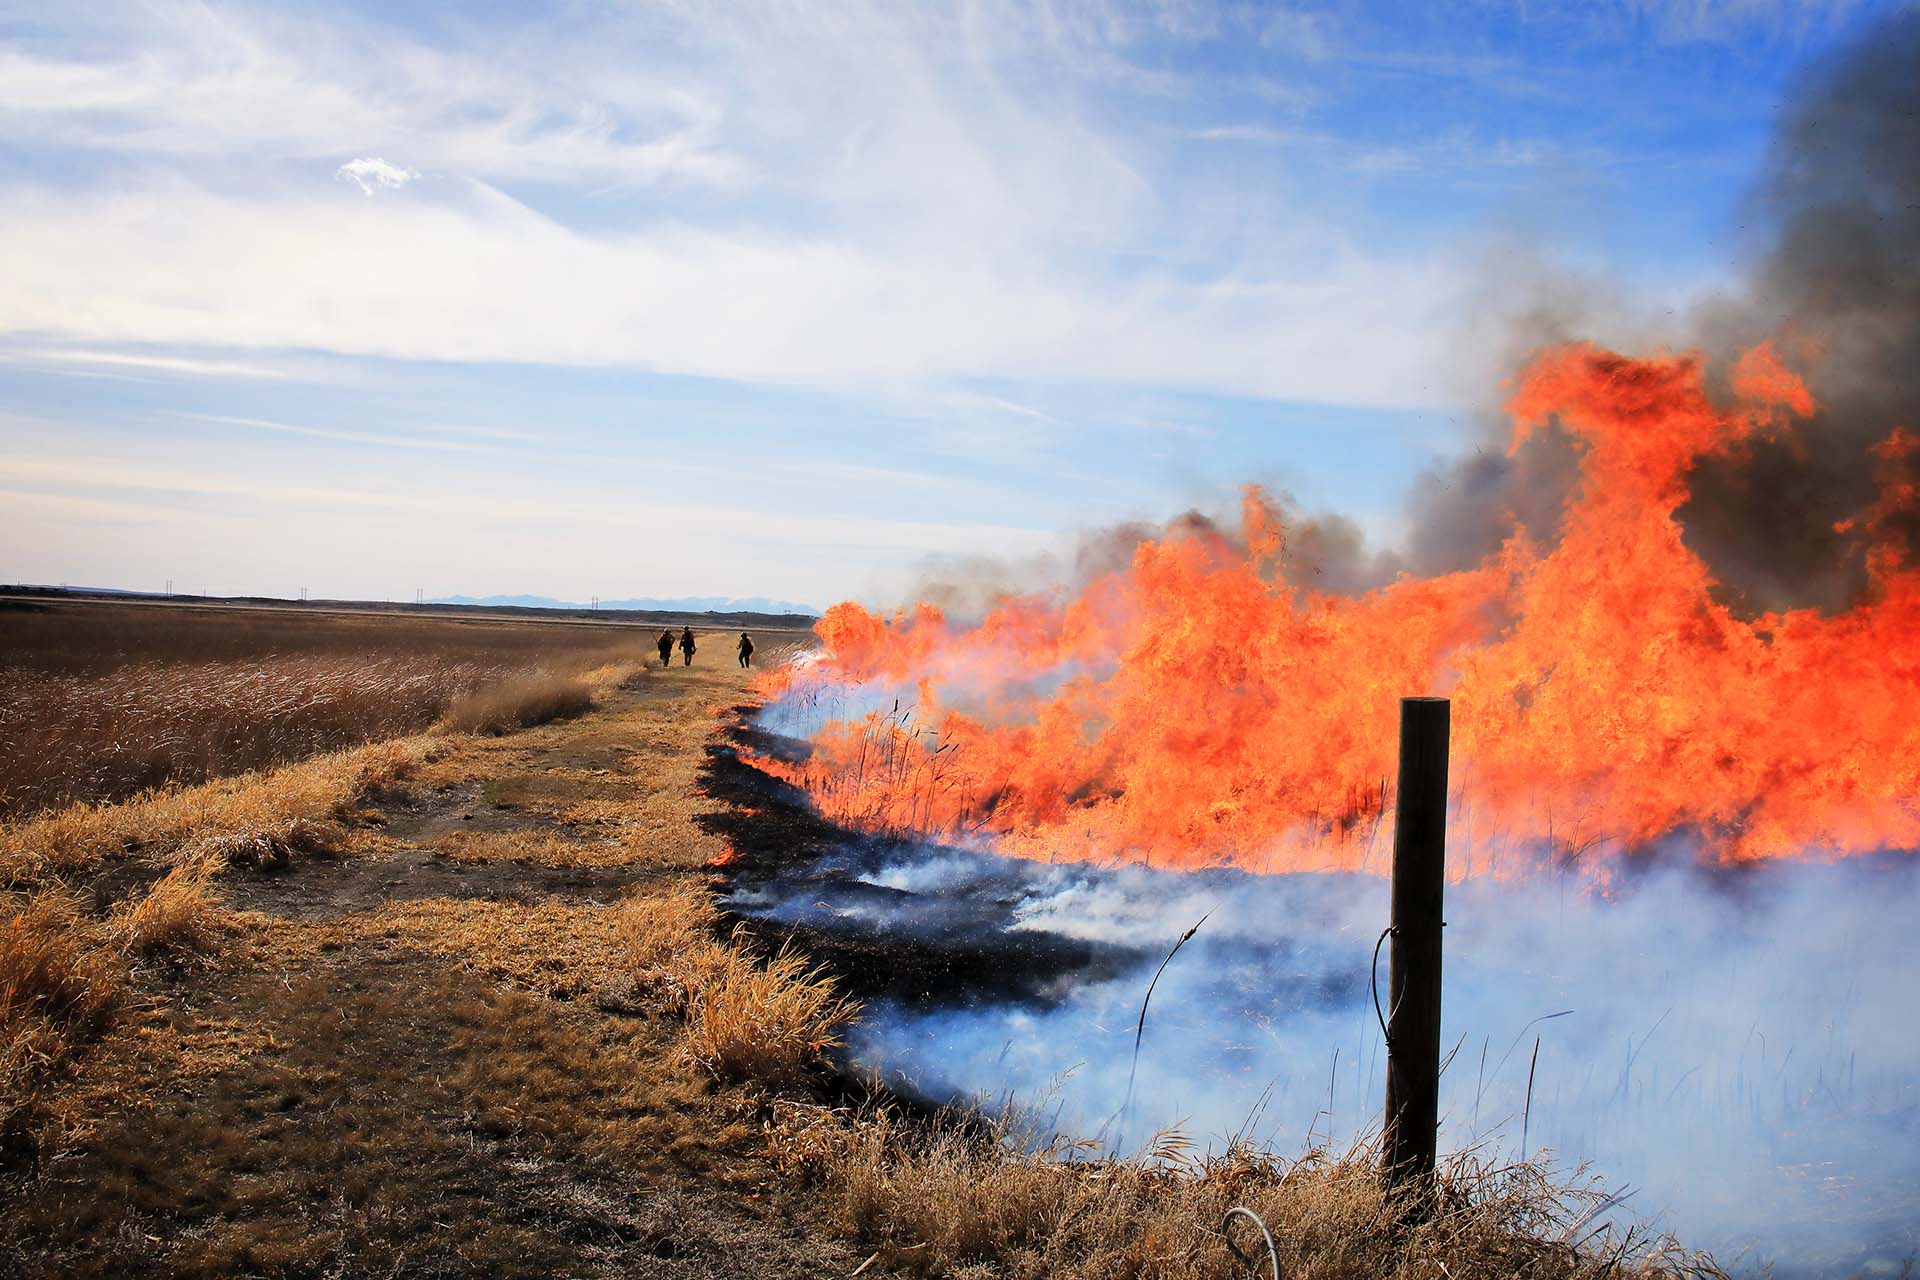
<point>686,645</point>
<point>746,650</point>
<point>666,648</point>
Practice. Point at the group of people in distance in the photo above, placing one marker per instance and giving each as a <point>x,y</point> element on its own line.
<point>687,647</point>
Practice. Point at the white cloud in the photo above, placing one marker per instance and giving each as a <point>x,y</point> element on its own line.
<point>483,278</point>
<point>852,195</point>
<point>372,172</point>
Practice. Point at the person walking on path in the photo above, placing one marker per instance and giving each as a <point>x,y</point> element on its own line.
<point>686,645</point>
<point>746,649</point>
<point>666,648</point>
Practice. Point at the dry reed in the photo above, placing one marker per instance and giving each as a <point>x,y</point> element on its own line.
<point>519,703</point>
<point>101,702</point>
<point>66,738</point>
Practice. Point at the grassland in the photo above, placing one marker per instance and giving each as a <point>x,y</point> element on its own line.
<point>101,701</point>
<point>460,1002</point>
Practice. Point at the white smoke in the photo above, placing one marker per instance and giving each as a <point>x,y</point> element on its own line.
<point>1736,1046</point>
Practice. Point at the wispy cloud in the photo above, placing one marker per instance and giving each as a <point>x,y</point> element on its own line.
<point>495,513</point>
<point>243,272</point>
<point>385,440</point>
<point>37,505</point>
<point>90,474</point>
<point>191,366</point>
<point>250,84</point>
<point>484,433</point>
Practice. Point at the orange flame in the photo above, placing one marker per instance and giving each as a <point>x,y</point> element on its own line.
<point>1192,710</point>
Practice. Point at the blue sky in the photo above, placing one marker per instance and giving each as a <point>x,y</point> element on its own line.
<point>782,299</point>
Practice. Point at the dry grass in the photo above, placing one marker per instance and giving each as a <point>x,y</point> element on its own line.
<point>252,807</point>
<point>176,914</point>
<point>519,703</point>
<point>974,1198</point>
<point>374,1083</point>
<point>536,847</point>
<point>98,702</point>
<point>771,1021</point>
<point>61,967</point>
<point>275,844</point>
<point>614,675</point>
<point>557,949</point>
<point>672,945</point>
<point>372,1110</point>
<point>55,991</point>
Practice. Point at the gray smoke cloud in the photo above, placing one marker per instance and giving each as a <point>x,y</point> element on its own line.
<point>1326,551</point>
<point>1842,284</point>
<point>1838,289</point>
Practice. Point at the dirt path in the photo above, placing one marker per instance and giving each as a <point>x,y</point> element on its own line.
<point>422,1058</point>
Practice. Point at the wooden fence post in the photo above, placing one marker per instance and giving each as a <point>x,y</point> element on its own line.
<point>1413,985</point>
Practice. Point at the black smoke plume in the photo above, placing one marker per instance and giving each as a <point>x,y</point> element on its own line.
<point>1837,290</point>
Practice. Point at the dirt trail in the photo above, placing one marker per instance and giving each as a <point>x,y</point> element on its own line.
<point>419,1058</point>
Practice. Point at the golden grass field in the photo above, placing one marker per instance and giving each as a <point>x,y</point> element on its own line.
<point>460,1002</point>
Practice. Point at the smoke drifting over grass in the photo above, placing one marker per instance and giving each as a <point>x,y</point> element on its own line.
<point>1709,1039</point>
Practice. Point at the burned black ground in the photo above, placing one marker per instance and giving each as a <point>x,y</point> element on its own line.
<point>957,953</point>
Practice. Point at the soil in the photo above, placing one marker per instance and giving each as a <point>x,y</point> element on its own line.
<point>332,888</point>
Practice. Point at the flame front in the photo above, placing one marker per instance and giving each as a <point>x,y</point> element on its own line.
<point>1194,710</point>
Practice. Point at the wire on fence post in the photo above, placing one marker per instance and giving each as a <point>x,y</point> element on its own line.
<point>1273,1254</point>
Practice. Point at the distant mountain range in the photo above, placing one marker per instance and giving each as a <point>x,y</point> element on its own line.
<point>679,604</point>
